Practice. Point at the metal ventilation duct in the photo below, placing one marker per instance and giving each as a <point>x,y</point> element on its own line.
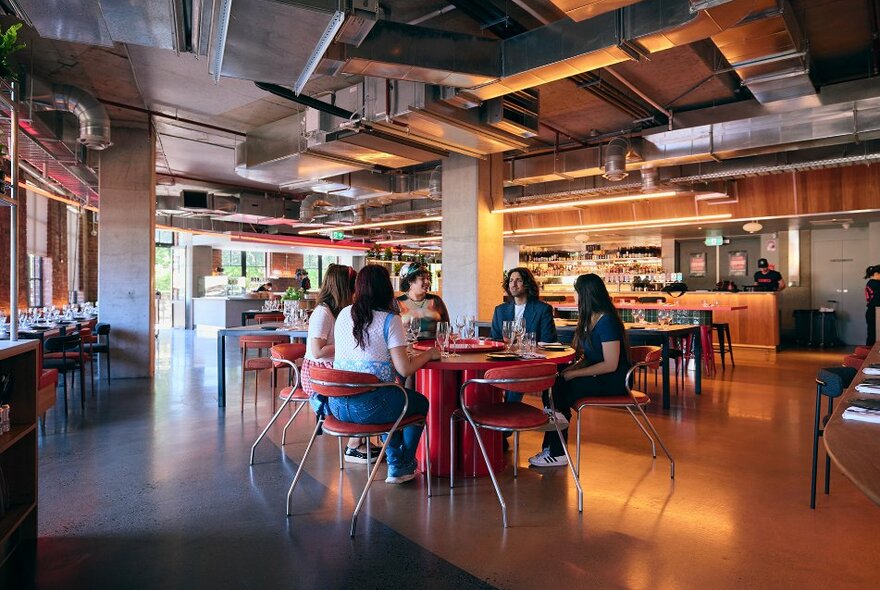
<point>94,122</point>
<point>614,168</point>
<point>650,179</point>
<point>578,10</point>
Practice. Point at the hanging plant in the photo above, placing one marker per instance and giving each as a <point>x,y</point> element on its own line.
<point>8,45</point>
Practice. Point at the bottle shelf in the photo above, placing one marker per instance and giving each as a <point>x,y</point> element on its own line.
<point>15,434</point>
<point>13,519</point>
<point>596,261</point>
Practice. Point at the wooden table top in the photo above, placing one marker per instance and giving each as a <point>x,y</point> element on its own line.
<point>665,306</point>
<point>855,446</point>
<point>477,361</point>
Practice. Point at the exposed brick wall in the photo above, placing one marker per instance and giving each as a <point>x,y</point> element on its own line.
<point>22,253</point>
<point>284,265</point>
<point>88,261</point>
<point>216,259</point>
<point>56,246</point>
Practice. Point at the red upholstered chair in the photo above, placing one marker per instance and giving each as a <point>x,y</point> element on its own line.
<point>265,318</point>
<point>853,361</point>
<point>286,355</point>
<point>634,401</point>
<point>258,363</point>
<point>46,393</point>
<point>650,357</point>
<point>509,417</point>
<point>862,351</point>
<point>336,383</point>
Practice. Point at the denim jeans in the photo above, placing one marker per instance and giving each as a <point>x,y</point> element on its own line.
<point>384,405</point>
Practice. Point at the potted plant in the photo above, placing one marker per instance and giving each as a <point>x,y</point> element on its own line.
<point>290,300</point>
<point>8,45</point>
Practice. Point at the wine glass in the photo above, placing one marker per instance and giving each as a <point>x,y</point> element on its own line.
<point>413,326</point>
<point>461,327</point>
<point>519,329</point>
<point>507,333</point>
<point>442,338</point>
<point>453,338</point>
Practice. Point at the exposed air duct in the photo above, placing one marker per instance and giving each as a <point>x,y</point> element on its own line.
<point>614,168</point>
<point>94,123</point>
<point>650,179</point>
<point>309,206</point>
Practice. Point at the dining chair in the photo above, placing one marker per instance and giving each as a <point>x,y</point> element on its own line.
<point>267,318</point>
<point>286,355</point>
<point>862,351</point>
<point>509,417</point>
<point>65,354</point>
<point>633,401</point>
<point>853,361</point>
<point>831,382</point>
<point>259,363</point>
<point>101,345</point>
<point>338,383</point>
<point>650,357</point>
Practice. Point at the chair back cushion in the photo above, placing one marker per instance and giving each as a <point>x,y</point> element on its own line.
<point>862,351</point>
<point>289,352</point>
<point>102,329</point>
<point>853,361</point>
<point>336,381</point>
<point>645,354</point>
<point>836,379</point>
<point>545,370</point>
<point>254,342</point>
<point>270,317</point>
<point>61,343</point>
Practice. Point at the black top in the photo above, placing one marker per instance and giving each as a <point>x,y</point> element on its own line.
<point>767,282</point>
<point>605,330</point>
<point>872,293</point>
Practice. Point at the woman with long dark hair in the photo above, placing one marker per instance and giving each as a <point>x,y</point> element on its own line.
<point>602,361</point>
<point>336,293</point>
<point>370,339</point>
<point>872,299</point>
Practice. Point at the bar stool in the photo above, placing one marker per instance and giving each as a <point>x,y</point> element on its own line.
<point>337,383</point>
<point>831,383</point>
<point>708,359</point>
<point>723,329</point>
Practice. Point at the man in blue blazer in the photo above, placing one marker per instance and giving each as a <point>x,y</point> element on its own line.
<point>521,287</point>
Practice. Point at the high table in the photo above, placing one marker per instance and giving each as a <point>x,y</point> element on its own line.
<point>653,334</point>
<point>440,381</point>
<point>855,446</point>
<point>264,330</point>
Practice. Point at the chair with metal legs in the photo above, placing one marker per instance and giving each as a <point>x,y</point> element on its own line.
<point>286,355</point>
<point>337,383</point>
<point>633,401</point>
<point>509,417</point>
<point>831,383</point>
<point>258,364</point>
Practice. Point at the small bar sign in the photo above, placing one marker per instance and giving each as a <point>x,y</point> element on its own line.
<point>337,235</point>
<point>714,241</point>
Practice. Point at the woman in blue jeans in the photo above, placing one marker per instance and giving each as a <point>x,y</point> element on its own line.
<point>370,339</point>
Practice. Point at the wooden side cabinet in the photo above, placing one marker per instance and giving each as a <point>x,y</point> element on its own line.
<point>18,457</point>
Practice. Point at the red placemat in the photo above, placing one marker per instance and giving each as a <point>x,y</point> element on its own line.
<point>465,345</point>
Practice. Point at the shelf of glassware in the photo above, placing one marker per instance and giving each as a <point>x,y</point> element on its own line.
<point>598,261</point>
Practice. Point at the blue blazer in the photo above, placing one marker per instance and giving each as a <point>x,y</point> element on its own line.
<point>537,315</point>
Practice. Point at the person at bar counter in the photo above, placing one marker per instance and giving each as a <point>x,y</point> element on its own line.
<point>767,279</point>
<point>370,339</point>
<point>872,298</point>
<point>265,287</point>
<point>336,293</point>
<point>417,302</point>
<point>602,355</point>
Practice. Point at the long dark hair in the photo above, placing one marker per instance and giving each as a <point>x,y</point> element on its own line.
<point>337,288</point>
<point>529,282</point>
<point>372,292</point>
<point>593,298</point>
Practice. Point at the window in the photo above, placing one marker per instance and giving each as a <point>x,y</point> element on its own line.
<point>244,264</point>
<point>35,281</point>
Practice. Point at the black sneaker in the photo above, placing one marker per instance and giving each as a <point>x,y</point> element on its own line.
<point>359,456</point>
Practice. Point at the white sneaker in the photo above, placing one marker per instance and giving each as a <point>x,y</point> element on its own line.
<point>544,459</point>
<point>560,419</point>
<point>400,478</point>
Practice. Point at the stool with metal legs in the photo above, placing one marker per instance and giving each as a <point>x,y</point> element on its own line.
<point>337,383</point>
<point>632,400</point>
<point>286,355</point>
<point>509,417</point>
<point>723,329</point>
<point>831,383</point>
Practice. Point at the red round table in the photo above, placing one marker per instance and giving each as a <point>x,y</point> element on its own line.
<point>440,382</point>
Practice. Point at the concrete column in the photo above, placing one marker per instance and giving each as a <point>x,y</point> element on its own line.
<point>473,242</point>
<point>126,249</point>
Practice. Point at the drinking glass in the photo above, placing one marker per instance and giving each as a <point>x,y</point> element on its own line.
<point>452,339</point>
<point>413,327</point>
<point>507,333</point>
<point>461,324</point>
<point>2,322</point>
<point>638,316</point>
<point>519,329</point>
<point>442,338</point>
<point>529,343</point>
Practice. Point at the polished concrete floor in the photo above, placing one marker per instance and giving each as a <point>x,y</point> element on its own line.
<point>150,487</point>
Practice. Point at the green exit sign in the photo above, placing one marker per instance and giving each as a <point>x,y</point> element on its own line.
<point>714,241</point>
<point>337,235</point>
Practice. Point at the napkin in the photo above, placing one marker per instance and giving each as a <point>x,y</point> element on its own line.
<point>533,355</point>
<point>861,415</point>
<point>550,344</point>
<point>871,370</point>
<point>861,388</point>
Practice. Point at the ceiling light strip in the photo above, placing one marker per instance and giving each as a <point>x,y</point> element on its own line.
<point>377,224</point>
<point>409,241</point>
<point>648,223</point>
<point>588,202</point>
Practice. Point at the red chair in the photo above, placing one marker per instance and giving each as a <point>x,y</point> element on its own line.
<point>509,417</point>
<point>336,383</point>
<point>853,361</point>
<point>862,351</point>
<point>650,356</point>
<point>259,363</point>
<point>286,355</point>
<point>633,401</point>
<point>266,318</point>
<point>46,393</point>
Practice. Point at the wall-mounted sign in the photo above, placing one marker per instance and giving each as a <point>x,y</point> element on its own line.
<point>714,240</point>
<point>737,263</point>
<point>337,235</point>
<point>697,265</point>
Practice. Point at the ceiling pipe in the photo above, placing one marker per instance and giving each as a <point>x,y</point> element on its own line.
<point>94,122</point>
<point>306,101</point>
<point>614,168</point>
